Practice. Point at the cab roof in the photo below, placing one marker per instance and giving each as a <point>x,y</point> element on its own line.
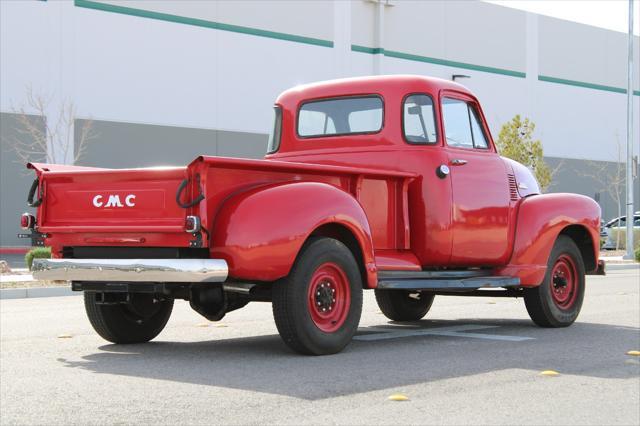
<point>382,84</point>
<point>393,89</point>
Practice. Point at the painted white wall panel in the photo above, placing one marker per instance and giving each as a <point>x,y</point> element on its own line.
<point>183,75</point>
<point>126,68</point>
<point>417,27</point>
<point>485,34</point>
<point>362,23</point>
<point>310,18</point>
<point>472,32</point>
<point>584,53</point>
<point>29,54</point>
<point>574,122</point>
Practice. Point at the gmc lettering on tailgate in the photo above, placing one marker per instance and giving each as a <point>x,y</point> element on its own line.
<point>113,201</point>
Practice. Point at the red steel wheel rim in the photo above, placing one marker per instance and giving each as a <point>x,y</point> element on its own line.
<point>329,297</point>
<point>564,282</point>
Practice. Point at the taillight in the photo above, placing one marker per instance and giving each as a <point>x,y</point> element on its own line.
<point>27,221</point>
<point>192,224</point>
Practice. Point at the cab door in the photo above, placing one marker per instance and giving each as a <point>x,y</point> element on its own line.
<point>480,189</point>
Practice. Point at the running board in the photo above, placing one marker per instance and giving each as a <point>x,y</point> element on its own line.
<point>450,281</point>
<point>428,275</point>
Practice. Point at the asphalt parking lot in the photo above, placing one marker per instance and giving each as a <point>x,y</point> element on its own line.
<point>473,360</point>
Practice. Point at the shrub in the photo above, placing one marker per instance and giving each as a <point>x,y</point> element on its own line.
<point>37,253</point>
<point>638,254</point>
<point>516,141</point>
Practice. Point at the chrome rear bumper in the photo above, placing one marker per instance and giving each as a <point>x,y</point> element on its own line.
<point>127,270</point>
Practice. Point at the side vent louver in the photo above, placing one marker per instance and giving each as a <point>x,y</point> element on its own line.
<point>513,188</point>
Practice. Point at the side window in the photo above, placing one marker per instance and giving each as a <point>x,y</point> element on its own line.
<point>418,119</point>
<point>455,114</point>
<point>479,139</point>
<point>462,125</point>
<point>276,131</point>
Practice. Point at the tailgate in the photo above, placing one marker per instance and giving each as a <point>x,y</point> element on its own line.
<point>77,199</point>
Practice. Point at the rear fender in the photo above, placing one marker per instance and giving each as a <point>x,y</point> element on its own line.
<point>541,218</point>
<point>260,232</point>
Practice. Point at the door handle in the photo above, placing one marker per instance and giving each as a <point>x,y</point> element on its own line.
<point>458,162</point>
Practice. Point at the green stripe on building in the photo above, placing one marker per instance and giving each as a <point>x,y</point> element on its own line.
<point>436,61</point>
<point>201,23</point>
<point>370,50</point>
<point>585,84</point>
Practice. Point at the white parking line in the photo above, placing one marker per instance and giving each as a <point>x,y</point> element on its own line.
<point>453,331</point>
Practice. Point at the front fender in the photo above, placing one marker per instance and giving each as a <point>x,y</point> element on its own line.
<point>260,232</point>
<point>541,218</point>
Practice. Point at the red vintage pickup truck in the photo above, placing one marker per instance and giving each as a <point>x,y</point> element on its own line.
<point>391,183</point>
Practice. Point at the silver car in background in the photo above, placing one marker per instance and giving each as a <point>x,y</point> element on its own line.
<point>618,224</point>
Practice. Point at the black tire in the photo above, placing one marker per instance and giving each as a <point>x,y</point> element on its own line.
<point>293,298</point>
<point>135,322</point>
<point>403,305</point>
<point>544,303</point>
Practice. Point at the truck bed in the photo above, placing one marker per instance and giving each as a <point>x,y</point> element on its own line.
<point>69,214</point>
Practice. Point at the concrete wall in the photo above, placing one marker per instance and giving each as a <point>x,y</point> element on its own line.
<point>142,145</point>
<point>593,179</point>
<point>15,179</point>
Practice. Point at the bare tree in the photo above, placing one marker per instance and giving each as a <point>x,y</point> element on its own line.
<point>610,181</point>
<point>554,171</point>
<point>49,142</point>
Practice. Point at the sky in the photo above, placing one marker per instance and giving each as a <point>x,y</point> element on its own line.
<point>609,14</point>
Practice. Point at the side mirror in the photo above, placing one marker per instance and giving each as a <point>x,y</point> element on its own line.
<point>415,110</point>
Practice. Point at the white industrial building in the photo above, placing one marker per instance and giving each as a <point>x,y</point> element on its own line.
<point>164,81</point>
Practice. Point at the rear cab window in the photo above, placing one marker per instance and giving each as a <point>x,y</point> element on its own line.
<point>341,116</point>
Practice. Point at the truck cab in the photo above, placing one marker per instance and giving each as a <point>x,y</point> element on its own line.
<point>390,183</point>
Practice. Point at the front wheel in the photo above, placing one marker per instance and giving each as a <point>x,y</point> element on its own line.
<point>138,321</point>
<point>317,307</point>
<point>557,301</point>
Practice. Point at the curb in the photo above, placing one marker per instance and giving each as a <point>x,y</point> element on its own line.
<point>621,266</point>
<point>30,293</point>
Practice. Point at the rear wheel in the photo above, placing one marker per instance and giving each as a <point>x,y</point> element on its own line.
<point>138,321</point>
<point>317,307</point>
<point>404,305</point>
<point>558,300</point>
